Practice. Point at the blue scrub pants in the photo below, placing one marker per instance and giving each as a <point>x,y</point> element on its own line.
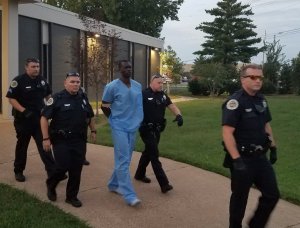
<point>120,180</point>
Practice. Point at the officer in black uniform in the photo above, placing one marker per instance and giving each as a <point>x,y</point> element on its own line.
<point>26,95</point>
<point>70,114</point>
<point>247,136</point>
<point>155,102</point>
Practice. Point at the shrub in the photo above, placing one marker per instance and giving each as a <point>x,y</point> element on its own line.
<point>198,87</point>
<point>268,87</point>
<point>194,86</point>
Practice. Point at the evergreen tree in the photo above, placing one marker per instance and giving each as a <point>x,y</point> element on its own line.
<point>230,37</point>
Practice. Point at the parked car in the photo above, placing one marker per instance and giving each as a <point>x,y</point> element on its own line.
<point>184,79</point>
<point>166,79</point>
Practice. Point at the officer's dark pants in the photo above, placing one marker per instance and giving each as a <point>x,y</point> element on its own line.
<point>259,172</point>
<point>69,155</point>
<point>151,154</point>
<point>25,128</point>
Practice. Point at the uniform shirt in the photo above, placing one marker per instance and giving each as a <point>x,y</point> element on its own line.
<point>248,115</point>
<point>154,105</point>
<point>126,105</point>
<point>68,112</point>
<point>29,92</point>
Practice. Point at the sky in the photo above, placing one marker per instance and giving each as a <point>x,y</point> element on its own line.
<point>279,18</point>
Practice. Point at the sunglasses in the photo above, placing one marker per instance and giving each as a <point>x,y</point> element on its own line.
<point>156,76</point>
<point>254,77</point>
<point>75,74</point>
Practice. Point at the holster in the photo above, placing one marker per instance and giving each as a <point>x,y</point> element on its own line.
<point>158,127</point>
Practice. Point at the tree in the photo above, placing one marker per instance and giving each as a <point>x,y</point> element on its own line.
<point>101,52</point>
<point>296,74</point>
<point>230,37</point>
<point>285,79</point>
<point>142,16</point>
<point>171,63</point>
<point>274,61</point>
<point>215,76</point>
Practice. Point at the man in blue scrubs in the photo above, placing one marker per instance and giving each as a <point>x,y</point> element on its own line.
<point>122,104</point>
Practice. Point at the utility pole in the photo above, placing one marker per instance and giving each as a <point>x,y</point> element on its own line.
<point>263,62</point>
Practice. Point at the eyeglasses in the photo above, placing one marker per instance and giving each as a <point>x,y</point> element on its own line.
<point>75,74</point>
<point>32,60</point>
<point>254,77</point>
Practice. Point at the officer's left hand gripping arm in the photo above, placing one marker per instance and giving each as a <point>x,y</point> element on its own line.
<point>175,110</point>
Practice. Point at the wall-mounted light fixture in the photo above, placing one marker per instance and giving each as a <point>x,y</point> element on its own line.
<point>155,49</point>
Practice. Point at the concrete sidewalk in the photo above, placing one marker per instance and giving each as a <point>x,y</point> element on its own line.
<point>199,199</point>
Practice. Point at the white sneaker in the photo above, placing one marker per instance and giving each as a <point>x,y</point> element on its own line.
<point>134,202</point>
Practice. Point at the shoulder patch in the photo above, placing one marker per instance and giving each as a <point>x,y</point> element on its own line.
<point>14,84</point>
<point>232,104</point>
<point>265,104</point>
<point>49,101</point>
<point>43,82</point>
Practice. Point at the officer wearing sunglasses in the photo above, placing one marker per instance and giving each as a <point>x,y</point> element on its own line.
<point>247,136</point>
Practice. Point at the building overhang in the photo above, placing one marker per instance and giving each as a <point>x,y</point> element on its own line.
<point>26,1</point>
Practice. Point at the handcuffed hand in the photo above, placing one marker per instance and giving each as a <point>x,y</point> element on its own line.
<point>179,120</point>
<point>273,154</point>
<point>238,164</point>
<point>27,113</point>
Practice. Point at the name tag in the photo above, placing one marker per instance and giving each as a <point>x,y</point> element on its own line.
<point>66,105</point>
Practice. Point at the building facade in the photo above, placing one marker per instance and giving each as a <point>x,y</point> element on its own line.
<point>61,41</point>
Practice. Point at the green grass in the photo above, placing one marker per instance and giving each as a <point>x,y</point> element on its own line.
<point>198,142</point>
<point>20,209</point>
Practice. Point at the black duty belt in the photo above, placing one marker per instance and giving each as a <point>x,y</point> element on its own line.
<point>152,126</point>
<point>67,134</point>
<point>253,149</point>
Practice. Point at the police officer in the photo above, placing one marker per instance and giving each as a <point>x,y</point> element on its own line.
<point>155,102</point>
<point>26,95</point>
<point>70,114</point>
<point>247,136</point>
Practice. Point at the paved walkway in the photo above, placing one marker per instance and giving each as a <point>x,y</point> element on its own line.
<point>199,198</point>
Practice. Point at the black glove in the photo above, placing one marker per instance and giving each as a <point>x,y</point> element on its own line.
<point>238,164</point>
<point>27,113</point>
<point>273,154</point>
<point>179,120</point>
